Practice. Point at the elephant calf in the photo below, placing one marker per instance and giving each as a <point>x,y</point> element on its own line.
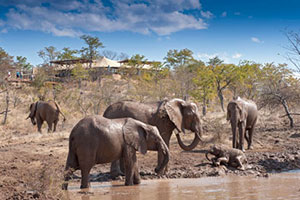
<point>48,111</point>
<point>227,156</point>
<point>98,140</point>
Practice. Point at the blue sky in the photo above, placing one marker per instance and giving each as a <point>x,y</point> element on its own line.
<point>234,30</point>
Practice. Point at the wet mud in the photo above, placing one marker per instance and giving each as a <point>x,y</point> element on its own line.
<point>32,165</point>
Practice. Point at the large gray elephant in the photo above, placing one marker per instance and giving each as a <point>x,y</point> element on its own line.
<point>166,115</point>
<point>41,111</point>
<point>242,115</point>
<point>97,140</point>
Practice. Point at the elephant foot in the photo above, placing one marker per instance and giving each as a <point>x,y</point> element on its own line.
<point>128,183</point>
<point>136,182</point>
<point>84,186</point>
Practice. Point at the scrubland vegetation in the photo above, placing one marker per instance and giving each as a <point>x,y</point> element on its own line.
<point>34,162</point>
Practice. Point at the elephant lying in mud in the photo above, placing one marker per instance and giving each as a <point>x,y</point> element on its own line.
<point>242,115</point>
<point>166,115</point>
<point>227,156</point>
<point>41,111</point>
<point>98,140</point>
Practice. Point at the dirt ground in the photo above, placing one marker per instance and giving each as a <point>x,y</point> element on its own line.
<point>32,164</point>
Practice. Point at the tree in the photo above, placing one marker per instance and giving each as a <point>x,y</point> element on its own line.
<point>91,52</point>
<point>293,49</point>
<point>67,54</point>
<point>110,54</point>
<point>114,55</point>
<point>22,63</point>
<point>39,82</point>
<point>6,63</point>
<point>279,87</point>
<point>122,56</point>
<point>181,61</point>
<point>224,75</point>
<point>79,73</point>
<point>132,68</point>
<point>205,86</point>
<point>48,54</point>
<point>248,76</point>
<point>7,100</point>
<point>177,58</point>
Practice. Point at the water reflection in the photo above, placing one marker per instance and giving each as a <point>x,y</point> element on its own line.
<point>277,186</point>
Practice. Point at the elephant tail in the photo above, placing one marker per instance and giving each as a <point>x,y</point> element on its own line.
<point>59,110</point>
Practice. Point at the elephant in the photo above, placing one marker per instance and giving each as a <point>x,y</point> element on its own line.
<point>227,156</point>
<point>98,140</point>
<point>166,115</point>
<point>41,111</point>
<point>242,115</point>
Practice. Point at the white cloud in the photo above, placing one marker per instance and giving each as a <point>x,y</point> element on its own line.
<point>224,14</point>
<point>206,14</point>
<point>256,40</point>
<point>237,55</point>
<point>73,17</point>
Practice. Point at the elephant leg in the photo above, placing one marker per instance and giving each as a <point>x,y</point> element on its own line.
<point>85,172</point>
<point>55,124</point>
<point>247,135</point>
<point>71,166</point>
<point>136,176</point>
<point>122,167</point>
<point>234,141</point>
<point>250,134</point>
<point>86,161</point>
<point>130,165</point>
<point>115,168</point>
<point>49,126</point>
<point>241,136</point>
<point>39,123</point>
<point>221,160</point>
<point>160,158</point>
<point>239,162</point>
<point>67,176</point>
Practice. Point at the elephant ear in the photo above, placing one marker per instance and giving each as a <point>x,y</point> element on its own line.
<point>135,135</point>
<point>242,109</point>
<point>174,110</point>
<point>33,108</point>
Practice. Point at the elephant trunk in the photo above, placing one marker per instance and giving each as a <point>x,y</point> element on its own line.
<point>166,154</point>
<point>233,122</point>
<point>206,155</point>
<point>195,142</point>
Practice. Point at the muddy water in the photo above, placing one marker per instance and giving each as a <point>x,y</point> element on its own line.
<point>277,186</point>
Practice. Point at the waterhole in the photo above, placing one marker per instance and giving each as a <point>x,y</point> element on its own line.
<point>277,186</point>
